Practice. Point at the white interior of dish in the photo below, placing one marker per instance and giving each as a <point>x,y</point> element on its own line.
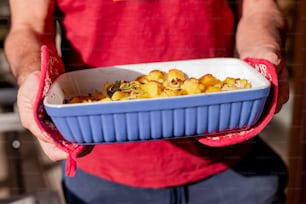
<point>87,81</point>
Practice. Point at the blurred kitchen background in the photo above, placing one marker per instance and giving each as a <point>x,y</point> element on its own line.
<point>26,173</point>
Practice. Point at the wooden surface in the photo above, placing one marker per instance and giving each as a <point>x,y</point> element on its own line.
<point>296,190</point>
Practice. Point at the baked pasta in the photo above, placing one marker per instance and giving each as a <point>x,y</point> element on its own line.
<point>158,84</point>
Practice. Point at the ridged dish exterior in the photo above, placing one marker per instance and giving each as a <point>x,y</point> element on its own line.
<point>160,124</point>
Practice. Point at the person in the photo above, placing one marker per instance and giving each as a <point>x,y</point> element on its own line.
<point>110,32</point>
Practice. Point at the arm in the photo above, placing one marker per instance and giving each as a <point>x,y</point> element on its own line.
<point>31,26</point>
<point>261,34</point>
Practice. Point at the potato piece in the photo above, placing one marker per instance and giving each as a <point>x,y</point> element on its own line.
<point>171,92</point>
<point>192,86</point>
<point>235,83</point>
<point>142,79</point>
<point>152,89</point>
<point>175,78</point>
<point>230,81</point>
<point>209,80</point>
<point>156,75</point>
<point>118,95</point>
<point>243,84</point>
<point>212,89</point>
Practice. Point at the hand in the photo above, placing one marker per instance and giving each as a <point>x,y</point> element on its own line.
<point>275,58</point>
<point>25,102</point>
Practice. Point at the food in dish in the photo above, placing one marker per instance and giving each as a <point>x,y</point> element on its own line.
<point>158,84</point>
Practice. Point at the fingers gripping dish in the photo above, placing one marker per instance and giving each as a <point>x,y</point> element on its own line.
<point>158,83</point>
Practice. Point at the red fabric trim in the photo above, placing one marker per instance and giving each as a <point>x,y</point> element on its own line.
<point>52,67</point>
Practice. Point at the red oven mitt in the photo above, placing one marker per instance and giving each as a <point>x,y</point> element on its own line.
<point>51,67</point>
<point>268,70</point>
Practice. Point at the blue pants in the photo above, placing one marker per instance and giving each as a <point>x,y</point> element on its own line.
<point>260,178</point>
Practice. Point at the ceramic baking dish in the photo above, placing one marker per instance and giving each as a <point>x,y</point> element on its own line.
<point>157,118</point>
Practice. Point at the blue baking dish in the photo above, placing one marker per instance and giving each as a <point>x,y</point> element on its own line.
<point>156,118</point>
